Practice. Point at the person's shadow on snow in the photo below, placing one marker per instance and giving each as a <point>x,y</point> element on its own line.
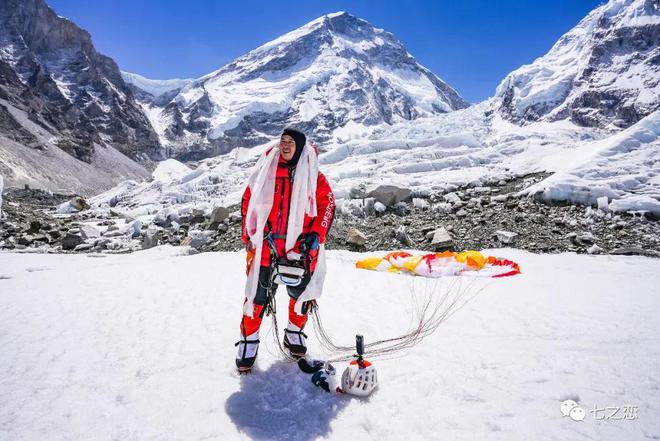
<point>281,403</point>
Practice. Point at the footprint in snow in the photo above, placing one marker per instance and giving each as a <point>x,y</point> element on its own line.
<point>34,269</point>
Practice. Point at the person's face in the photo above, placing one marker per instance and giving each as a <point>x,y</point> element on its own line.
<point>287,147</point>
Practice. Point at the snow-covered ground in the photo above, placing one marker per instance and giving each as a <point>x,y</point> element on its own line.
<point>140,347</point>
<point>625,168</point>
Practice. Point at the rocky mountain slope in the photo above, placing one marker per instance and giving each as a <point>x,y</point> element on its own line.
<point>603,72</point>
<point>336,74</point>
<point>58,92</point>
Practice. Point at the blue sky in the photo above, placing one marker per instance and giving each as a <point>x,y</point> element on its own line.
<point>470,44</point>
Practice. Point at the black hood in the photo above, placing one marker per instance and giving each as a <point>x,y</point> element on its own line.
<point>300,140</point>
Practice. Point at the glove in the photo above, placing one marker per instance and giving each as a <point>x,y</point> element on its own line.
<point>307,245</point>
<point>320,380</point>
<point>325,378</point>
<point>309,242</point>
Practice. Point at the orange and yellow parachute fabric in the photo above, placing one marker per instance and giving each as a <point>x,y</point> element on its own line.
<point>442,264</point>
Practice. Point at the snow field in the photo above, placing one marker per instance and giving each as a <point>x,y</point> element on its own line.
<point>140,347</point>
<point>625,168</point>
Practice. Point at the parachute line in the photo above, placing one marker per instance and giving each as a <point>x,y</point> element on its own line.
<point>435,305</point>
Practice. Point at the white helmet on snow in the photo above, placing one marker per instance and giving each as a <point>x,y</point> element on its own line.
<point>359,378</point>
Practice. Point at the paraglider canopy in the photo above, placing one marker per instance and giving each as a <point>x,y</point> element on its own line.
<point>447,263</point>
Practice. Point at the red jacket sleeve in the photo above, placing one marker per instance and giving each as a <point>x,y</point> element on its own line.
<point>325,204</point>
<point>245,201</point>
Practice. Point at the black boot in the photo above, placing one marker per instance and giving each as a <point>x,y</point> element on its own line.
<point>294,341</point>
<point>247,353</point>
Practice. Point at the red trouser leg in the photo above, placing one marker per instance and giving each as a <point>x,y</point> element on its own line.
<point>298,320</point>
<point>250,325</point>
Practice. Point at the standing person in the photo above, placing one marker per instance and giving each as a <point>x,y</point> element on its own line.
<point>287,209</point>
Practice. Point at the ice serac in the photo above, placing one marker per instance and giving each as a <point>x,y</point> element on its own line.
<point>51,72</point>
<point>337,71</point>
<point>603,72</point>
<point>154,91</point>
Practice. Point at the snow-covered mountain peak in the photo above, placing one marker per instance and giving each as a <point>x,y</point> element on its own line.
<point>339,23</point>
<point>603,71</point>
<point>337,71</point>
<point>314,25</point>
<point>334,35</point>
